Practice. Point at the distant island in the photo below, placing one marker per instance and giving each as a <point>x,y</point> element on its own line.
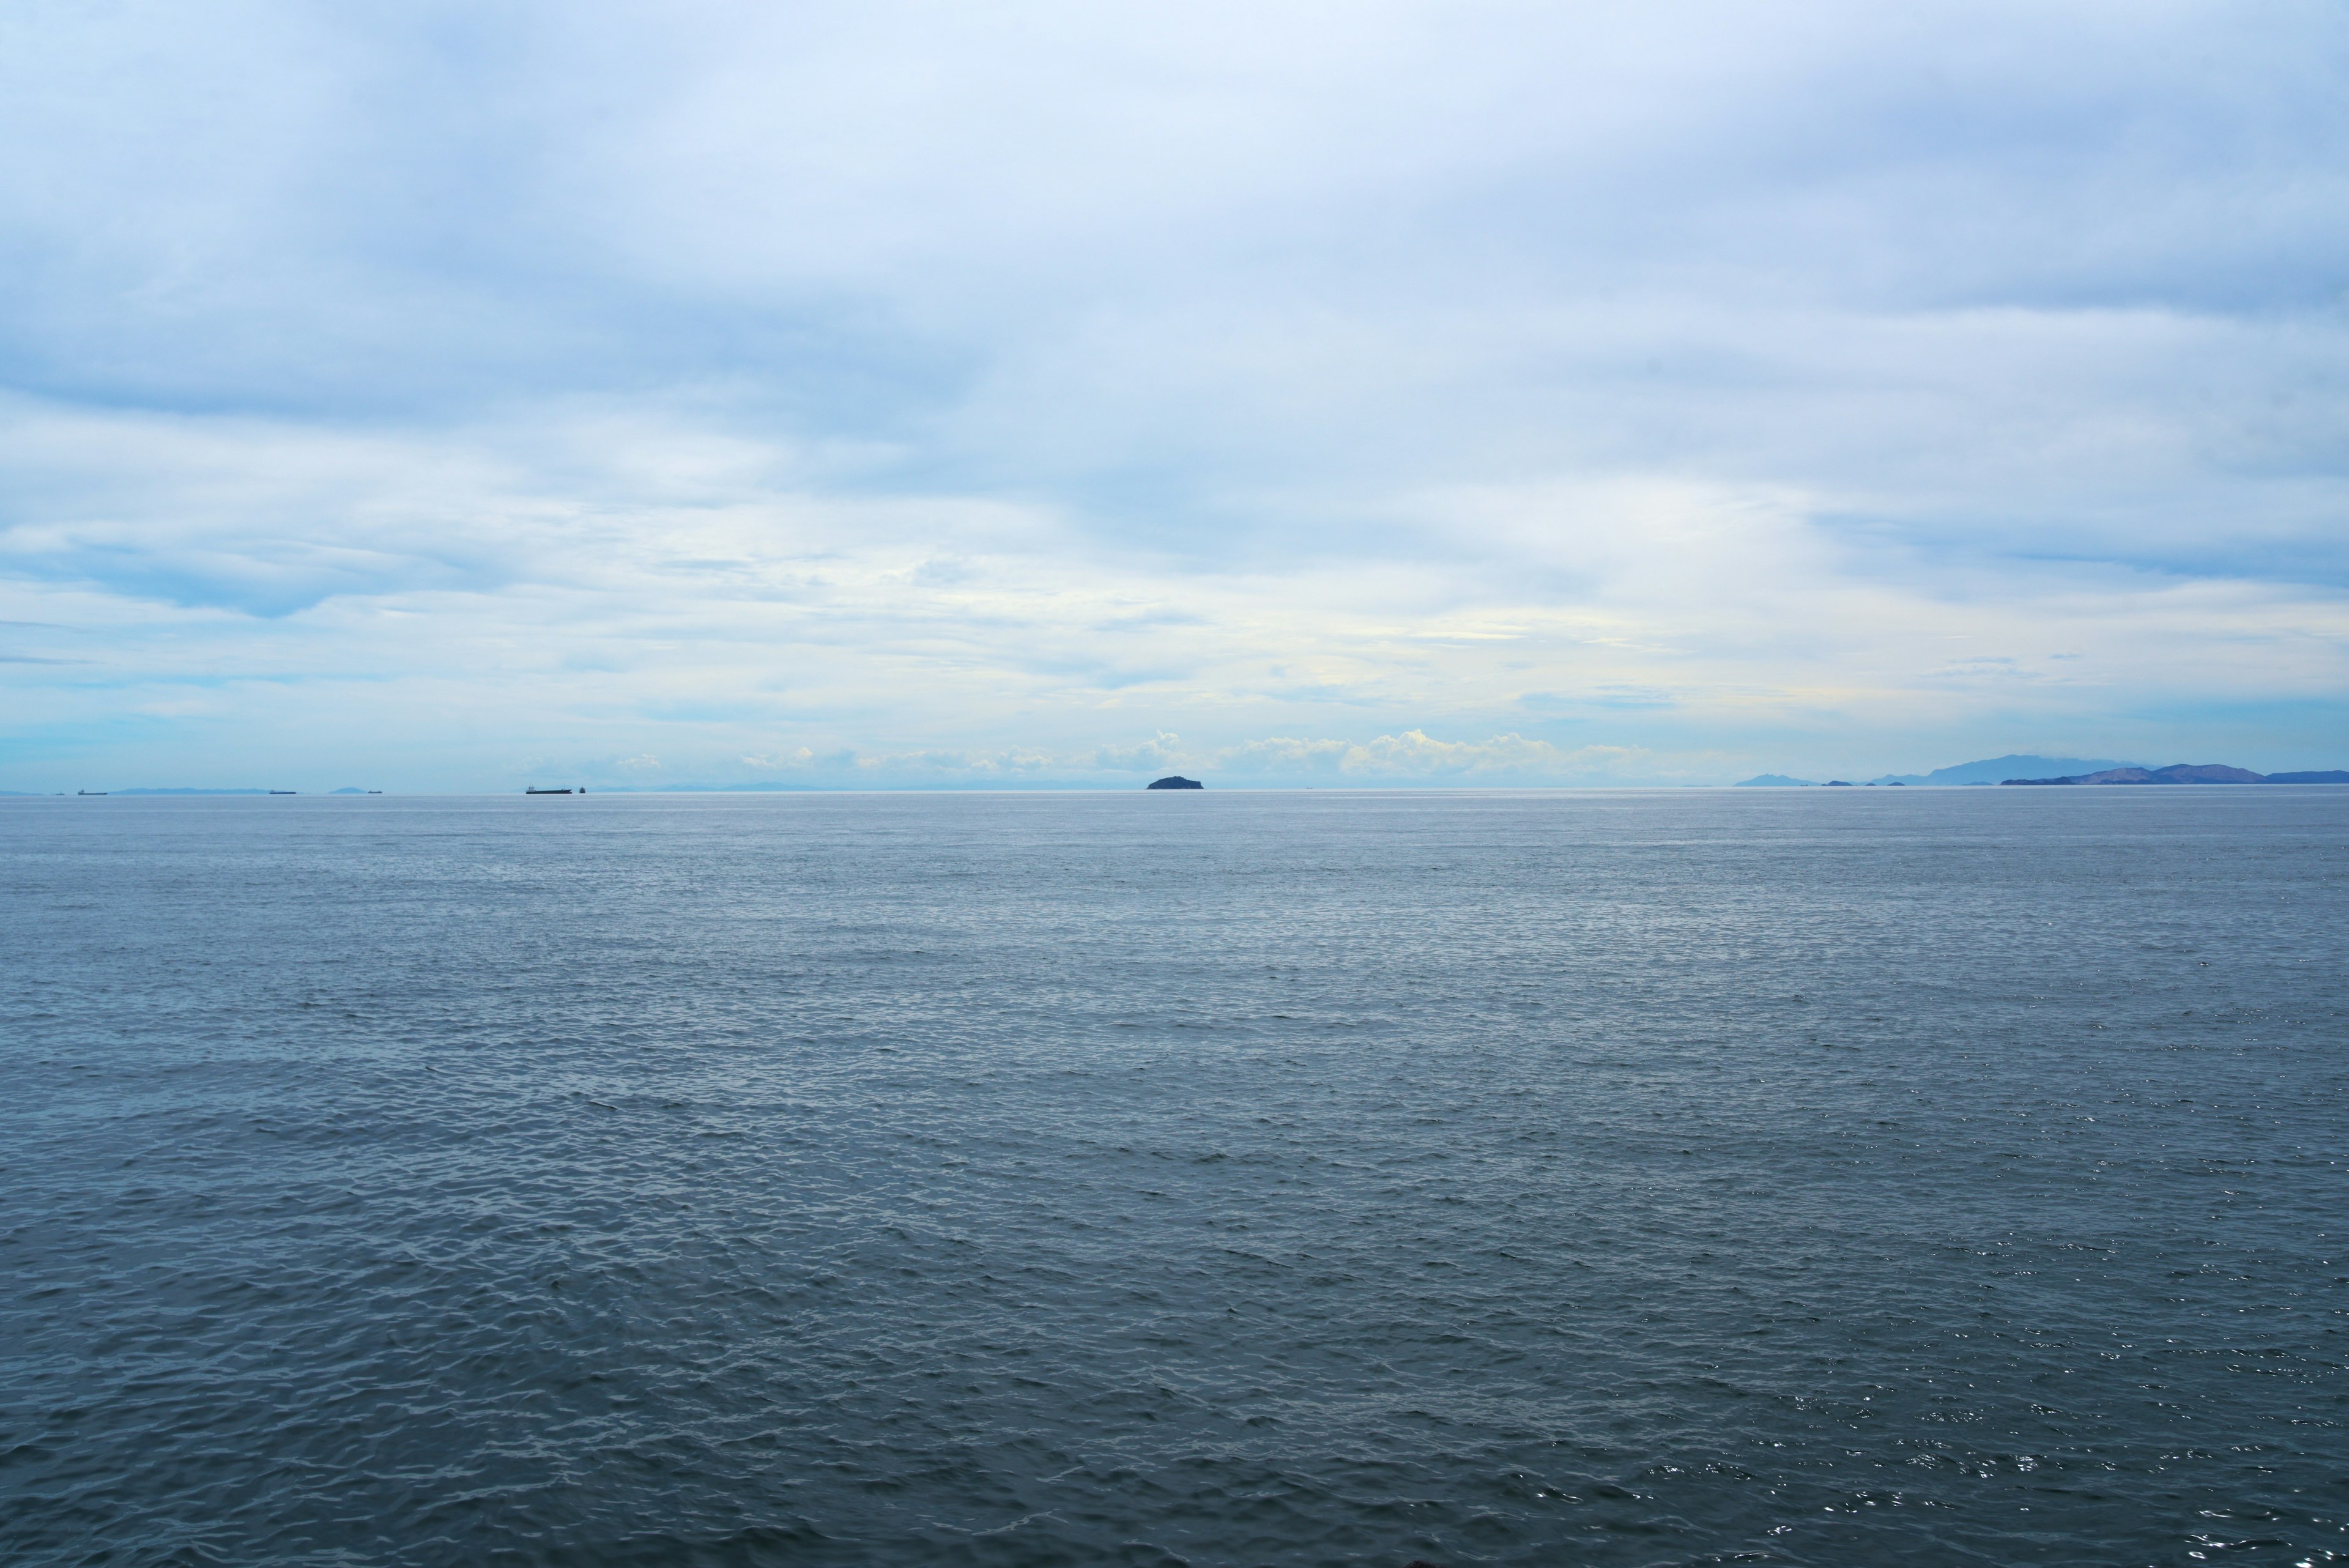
<point>1175,781</point>
<point>2033,770</point>
<point>1988,771</point>
<point>2189,773</point>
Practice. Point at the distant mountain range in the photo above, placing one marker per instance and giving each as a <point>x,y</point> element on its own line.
<point>2189,773</point>
<point>1988,770</point>
<point>2033,769</point>
<point>1996,770</point>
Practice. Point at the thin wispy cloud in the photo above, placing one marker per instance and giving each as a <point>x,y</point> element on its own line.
<point>1486,393</point>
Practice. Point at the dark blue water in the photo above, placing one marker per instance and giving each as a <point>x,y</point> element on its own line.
<point>1800,1177</point>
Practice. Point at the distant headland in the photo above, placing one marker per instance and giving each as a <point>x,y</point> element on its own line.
<point>2189,774</point>
<point>2033,769</point>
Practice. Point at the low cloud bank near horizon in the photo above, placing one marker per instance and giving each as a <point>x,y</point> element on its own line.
<point>1482,394</point>
<point>1410,757</point>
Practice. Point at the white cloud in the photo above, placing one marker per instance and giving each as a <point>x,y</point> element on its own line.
<point>1161,752</point>
<point>1413,755</point>
<point>912,393</point>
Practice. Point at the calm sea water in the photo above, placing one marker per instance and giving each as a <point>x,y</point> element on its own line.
<point>1618,1178</point>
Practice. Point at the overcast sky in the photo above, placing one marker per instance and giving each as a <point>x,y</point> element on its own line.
<point>454,395</point>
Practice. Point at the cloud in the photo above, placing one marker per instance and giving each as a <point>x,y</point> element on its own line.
<point>943,391</point>
<point>1413,755</point>
<point>1161,751</point>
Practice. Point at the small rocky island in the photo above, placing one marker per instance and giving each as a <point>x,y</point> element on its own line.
<point>1176,781</point>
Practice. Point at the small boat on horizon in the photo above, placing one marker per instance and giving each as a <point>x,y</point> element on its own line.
<point>99,792</point>
<point>286,791</point>
<point>536,790</point>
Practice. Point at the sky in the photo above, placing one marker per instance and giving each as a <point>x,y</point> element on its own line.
<point>445,397</point>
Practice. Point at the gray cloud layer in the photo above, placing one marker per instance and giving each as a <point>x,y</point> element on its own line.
<point>1695,386</point>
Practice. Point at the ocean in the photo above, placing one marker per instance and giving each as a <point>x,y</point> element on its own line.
<point>1611,1178</point>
